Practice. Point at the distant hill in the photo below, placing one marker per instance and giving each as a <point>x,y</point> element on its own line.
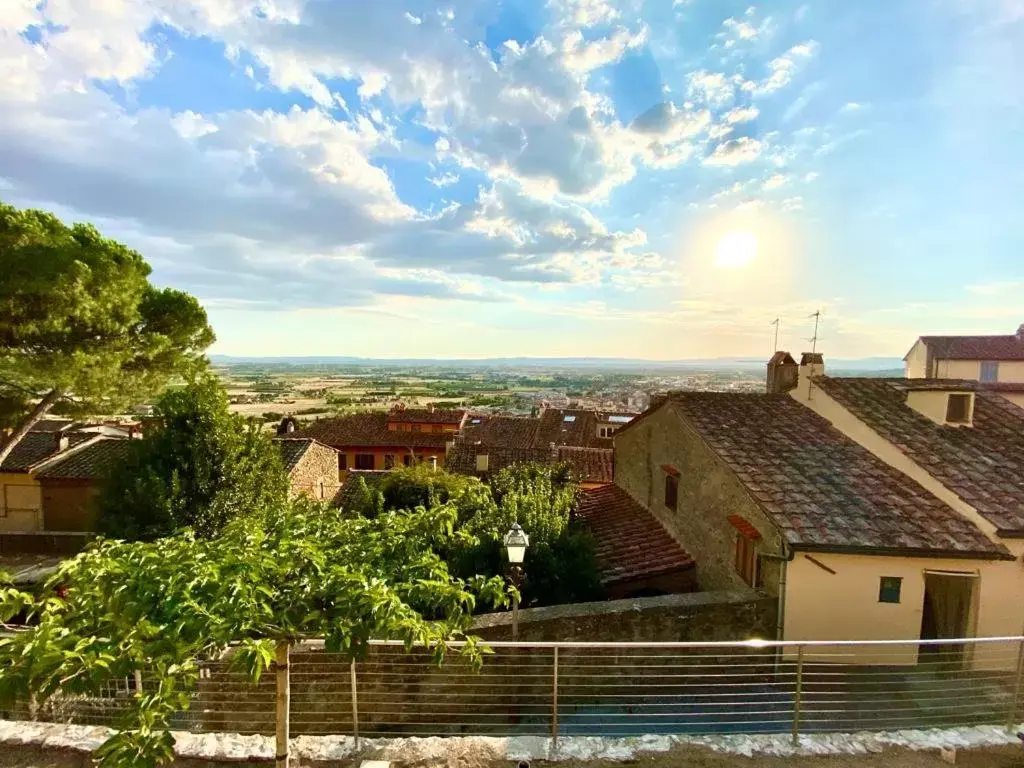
<point>866,365</point>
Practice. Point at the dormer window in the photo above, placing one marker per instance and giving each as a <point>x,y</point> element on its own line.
<point>958,409</point>
<point>946,407</point>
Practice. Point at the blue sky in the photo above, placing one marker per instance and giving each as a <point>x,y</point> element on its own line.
<point>647,178</point>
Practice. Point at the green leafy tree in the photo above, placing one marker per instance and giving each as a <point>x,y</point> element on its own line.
<point>81,323</point>
<point>198,466</point>
<point>164,606</point>
<point>560,564</point>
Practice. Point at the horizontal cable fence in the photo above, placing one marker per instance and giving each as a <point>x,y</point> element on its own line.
<point>607,689</point>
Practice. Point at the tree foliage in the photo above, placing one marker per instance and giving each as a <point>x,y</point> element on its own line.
<point>162,607</point>
<point>79,319</point>
<point>560,564</point>
<point>198,466</point>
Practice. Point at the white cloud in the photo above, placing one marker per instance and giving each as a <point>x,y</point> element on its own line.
<point>851,106</point>
<point>582,56</point>
<point>415,20</point>
<point>741,115</point>
<point>811,176</point>
<point>774,182</point>
<point>444,180</point>
<point>191,125</point>
<point>783,68</point>
<point>736,31</point>
<point>712,88</point>
<point>735,152</point>
<point>585,13</point>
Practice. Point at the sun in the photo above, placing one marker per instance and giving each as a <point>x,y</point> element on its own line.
<point>735,250</point>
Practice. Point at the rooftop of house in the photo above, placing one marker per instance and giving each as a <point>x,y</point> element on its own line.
<point>293,449</point>
<point>461,457</point>
<point>426,415</point>
<point>592,465</point>
<point>564,426</point>
<point>92,462</point>
<point>368,429</point>
<point>821,489</point>
<point>983,464</point>
<point>52,425</point>
<point>36,447</point>
<point>1010,347</point>
<point>629,541</point>
<point>500,430</point>
<point>350,486</point>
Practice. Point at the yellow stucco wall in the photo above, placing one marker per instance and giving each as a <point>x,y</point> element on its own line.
<point>1001,598</point>
<point>1017,398</point>
<point>1009,371</point>
<point>934,404</point>
<point>916,364</point>
<point>813,594</point>
<point>25,512</point>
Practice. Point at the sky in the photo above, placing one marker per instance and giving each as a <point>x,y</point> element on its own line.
<point>647,178</point>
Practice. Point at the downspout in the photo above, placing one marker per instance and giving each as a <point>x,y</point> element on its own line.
<point>784,559</point>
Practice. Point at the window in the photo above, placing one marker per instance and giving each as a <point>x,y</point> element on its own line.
<point>746,560</point>
<point>958,410</point>
<point>407,460</point>
<point>990,370</point>
<point>671,490</point>
<point>569,419</point>
<point>342,462</point>
<point>889,589</point>
<point>389,461</point>
<point>364,461</point>
<point>483,461</point>
<point>321,490</point>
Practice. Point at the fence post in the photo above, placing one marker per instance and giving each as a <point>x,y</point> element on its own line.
<point>1018,687</point>
<point>283,703</point>
<point>798,697</point>
<point>554,702</point>
<point>355,702</point>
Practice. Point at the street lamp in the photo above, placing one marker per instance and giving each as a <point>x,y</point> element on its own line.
<point>516,542</point>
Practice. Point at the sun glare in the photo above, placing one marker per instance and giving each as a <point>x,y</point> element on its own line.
<point>735,249</point>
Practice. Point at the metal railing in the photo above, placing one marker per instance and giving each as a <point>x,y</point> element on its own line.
<point>610,689</point>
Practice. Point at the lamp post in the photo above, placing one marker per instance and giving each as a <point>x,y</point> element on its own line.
<point>516,542</point>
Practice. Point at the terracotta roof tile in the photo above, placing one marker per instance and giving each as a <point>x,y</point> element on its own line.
<point>629,541</point>
<point>292,450</point>
<point>570,427</point>
<point>982,464</point>
<point>93,462</point>
<point>820,488</point>
<point>39,446</point>
<point>426,415</point>
<point>368,429</point>
<point>975,347</point>
<point>592,465</point>
<point>347,490</point>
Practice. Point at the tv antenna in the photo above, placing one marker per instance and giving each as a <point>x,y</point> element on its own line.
<point>814,338</point>
<point>775,322</point>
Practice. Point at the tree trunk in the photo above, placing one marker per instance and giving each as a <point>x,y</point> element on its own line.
<point>42,408</point>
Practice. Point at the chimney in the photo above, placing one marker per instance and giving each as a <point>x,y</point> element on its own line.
<point>782,374</point>
<point>812,365</point>
<point>62,442</point>
<point>287,426</point>
<point>433,463</point>
<point>1020,333</point>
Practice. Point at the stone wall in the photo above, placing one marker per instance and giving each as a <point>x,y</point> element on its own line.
<point>406,693</point>
<point>316,474</point>
<point>708,493</point>
<point>691,617</point>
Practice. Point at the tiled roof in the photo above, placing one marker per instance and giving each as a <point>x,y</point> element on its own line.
<point>93,462</point>
<point>346,491</point>
<point>427,415</point>
<point>593,465</point>
<point>975,347</point>
<point>821,489</point>
<point>462,457</point>
<point>52,425</point>
<point>782,358</point>
<point>982,464</point>
<point>368,429</point>
<point>292,450</point>
<point>507,431</point>
<point>570,427</point>
<point>629,541</point>
<point>38,446</point>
